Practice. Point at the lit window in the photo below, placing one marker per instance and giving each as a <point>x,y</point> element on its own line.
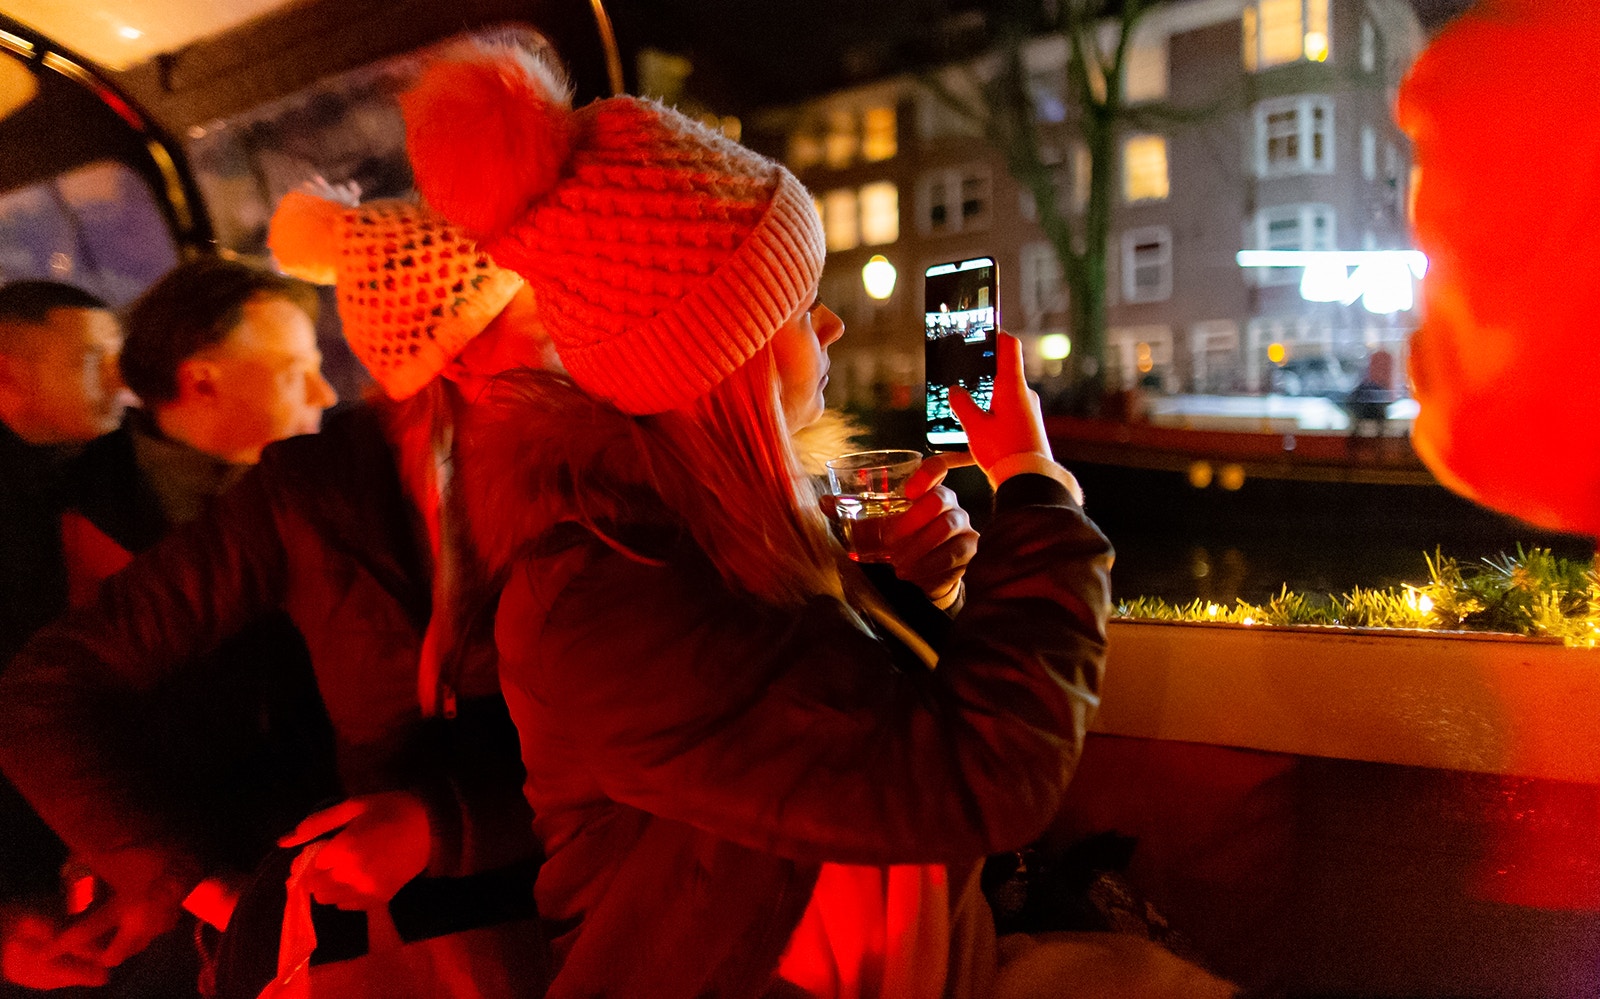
<point>1252,39</point>
<point>879,140</point>
<point>955,200</point>
<point>1277,32</point>
<point>1369,45</point>
<point>1042,286</point>
<point>839,147</point>
<point>1294,135</point>
<point>1145,72</point>
<point>805,150</point>
<point>1147,264</point>
<point>1369,153</point>
<point>880,213</point>
<point>1293,227</point>
<point>839,220</point>
<point>1144,169</point>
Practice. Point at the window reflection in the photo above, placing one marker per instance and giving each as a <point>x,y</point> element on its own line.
<point>97,227</point>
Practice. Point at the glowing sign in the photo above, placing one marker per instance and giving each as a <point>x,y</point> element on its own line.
<point>1382,279</point>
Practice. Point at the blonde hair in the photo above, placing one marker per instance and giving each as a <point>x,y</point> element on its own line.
<point>722,469</point>
<point>726,469</point>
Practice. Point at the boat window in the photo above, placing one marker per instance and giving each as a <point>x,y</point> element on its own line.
<point>344,128</point>
<point>97,227</point>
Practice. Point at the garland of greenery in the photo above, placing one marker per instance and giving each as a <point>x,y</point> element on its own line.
<point>1530,593</point>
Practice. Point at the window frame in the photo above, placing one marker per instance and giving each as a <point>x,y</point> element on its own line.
<point>1253,52</point>
<point>1306,109</point>
<point>1132,240</point>
<point>953,180</point>
<point>1305,215</point>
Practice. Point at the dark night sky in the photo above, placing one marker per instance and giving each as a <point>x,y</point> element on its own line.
<point>749,53</point>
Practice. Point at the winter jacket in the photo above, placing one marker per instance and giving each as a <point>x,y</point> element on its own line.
<point>694,755</point>
<point>319,530</point>
<point>33,590</point>
<point>245,744</point>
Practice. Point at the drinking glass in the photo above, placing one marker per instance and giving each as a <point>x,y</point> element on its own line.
<point>868,490</point>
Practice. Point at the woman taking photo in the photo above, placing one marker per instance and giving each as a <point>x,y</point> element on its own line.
<point>748,777</point>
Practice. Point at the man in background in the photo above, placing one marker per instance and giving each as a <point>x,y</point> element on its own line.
<point>225,356</point>
<point>59,389</point>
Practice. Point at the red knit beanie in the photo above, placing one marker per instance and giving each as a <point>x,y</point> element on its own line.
<point>413,290</point>
<point>661,255</point>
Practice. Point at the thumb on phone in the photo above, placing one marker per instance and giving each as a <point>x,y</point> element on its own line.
<point>1014,423</point>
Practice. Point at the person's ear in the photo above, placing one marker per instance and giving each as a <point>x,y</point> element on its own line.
<point>12,378</point>
<point>197,380</point>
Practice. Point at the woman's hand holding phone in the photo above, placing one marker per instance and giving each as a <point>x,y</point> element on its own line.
<point>1010,437</point>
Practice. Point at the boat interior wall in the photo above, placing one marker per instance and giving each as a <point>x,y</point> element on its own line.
<point>117,34</point>
<point>18,85</point>
<point>295,46</point>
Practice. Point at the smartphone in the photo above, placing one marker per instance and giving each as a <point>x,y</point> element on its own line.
<point>961,317</point>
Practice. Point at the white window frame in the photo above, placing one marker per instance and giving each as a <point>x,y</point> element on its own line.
<point>1305,133</point>
<point>953,184</point>
<point>1211,336</point>
<point>1306,216</point>
<point>1161,237</point>
<point>1122,348</point>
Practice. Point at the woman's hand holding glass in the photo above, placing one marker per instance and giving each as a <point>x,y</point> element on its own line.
<point>931,543</point>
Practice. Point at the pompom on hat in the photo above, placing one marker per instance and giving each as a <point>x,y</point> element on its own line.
<point>662,256</point>
<point>412,288</point>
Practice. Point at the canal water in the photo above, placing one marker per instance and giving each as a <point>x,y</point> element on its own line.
<point>1181,543</point>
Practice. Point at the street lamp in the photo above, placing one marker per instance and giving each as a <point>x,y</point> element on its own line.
<point>878,275</point>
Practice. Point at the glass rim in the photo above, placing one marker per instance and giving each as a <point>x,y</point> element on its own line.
<point>891,458</point>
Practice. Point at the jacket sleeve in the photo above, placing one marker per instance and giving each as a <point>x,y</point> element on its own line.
<point>793,732</point>
<point>75,743</point>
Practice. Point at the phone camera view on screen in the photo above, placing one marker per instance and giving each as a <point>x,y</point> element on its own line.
<point>959,322</point>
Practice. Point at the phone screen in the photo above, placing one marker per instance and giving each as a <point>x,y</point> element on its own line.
<point>960,317</point>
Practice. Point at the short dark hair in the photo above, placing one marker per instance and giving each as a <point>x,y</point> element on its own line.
<point>31,301</point>
<point>194,306</point>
